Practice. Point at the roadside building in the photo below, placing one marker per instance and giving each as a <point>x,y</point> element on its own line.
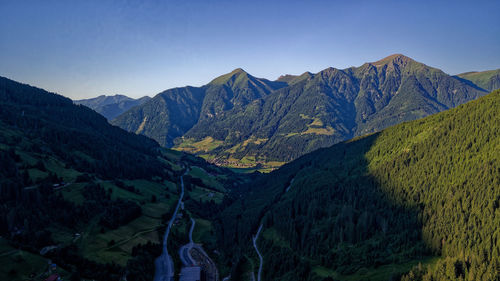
<point>191,273</point>
<point>53,277</point>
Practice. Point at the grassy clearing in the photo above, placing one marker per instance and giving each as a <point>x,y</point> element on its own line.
<point>36,174</point>
<point>208,157</point>
<point>116,245</point>
<point>172,154</point>
<point>251,163</point>
<point>255,140</point>
<point>328,131</point>
<point>315,120</point>
<point>199,173</point>
<point>18,264</point>
<point>58,168</point>
<point>73,192</point>
<point>315,127</point>
<point>208,179</point>
<point>234,149</point>
<point>50,164</point>
<point>171,158</point>
<point>248,159</point>
<point>203,194</point>
<point>205,145</point>
<point>482,79</point>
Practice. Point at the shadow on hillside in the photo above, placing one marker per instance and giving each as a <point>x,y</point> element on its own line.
<point>469,83</point>
<point>337,214</point>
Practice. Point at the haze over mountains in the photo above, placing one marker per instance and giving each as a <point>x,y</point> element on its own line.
<point>240,120</point>
<point>112,106</point>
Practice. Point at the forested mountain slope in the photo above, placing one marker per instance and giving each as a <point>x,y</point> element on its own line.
<point>166,116</point>
<point>76,133</point>
<point>112,106</point>
<point>372,207</point>
<point>171,114</point>
<point>240,120</point>
<point>87,195</point>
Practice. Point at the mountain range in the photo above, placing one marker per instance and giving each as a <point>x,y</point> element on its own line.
<point>112,106</point>
<point>242,121</point>
<point>416,201</point>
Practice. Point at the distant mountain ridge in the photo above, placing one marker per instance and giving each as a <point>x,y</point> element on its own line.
<point>240,120</point>
<point>170,114</point>
<point>112,106</point>
<point>489,80</point>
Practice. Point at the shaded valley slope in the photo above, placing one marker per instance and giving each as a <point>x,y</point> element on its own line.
<point>374,207</point>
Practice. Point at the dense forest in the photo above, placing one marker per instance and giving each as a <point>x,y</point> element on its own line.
<point>69,180</point>
<point>77,134</point>
<point>421,189</point>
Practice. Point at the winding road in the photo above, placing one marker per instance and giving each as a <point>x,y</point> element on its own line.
<point>164,266</point>
<point>254,240</point>
<point>184,253</point>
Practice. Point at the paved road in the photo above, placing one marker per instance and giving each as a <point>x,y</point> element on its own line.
<point>193,222</point>
<point>201,257</point>
<point>254,240</point>
<point>186,258</point>
<point>164,266</point>
<point>290,185</point>
<point>205,262</point>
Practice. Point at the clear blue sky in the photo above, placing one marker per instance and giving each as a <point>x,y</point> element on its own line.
<point>86,48</point>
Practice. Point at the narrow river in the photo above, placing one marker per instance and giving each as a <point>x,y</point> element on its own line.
<point>164,266</point>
